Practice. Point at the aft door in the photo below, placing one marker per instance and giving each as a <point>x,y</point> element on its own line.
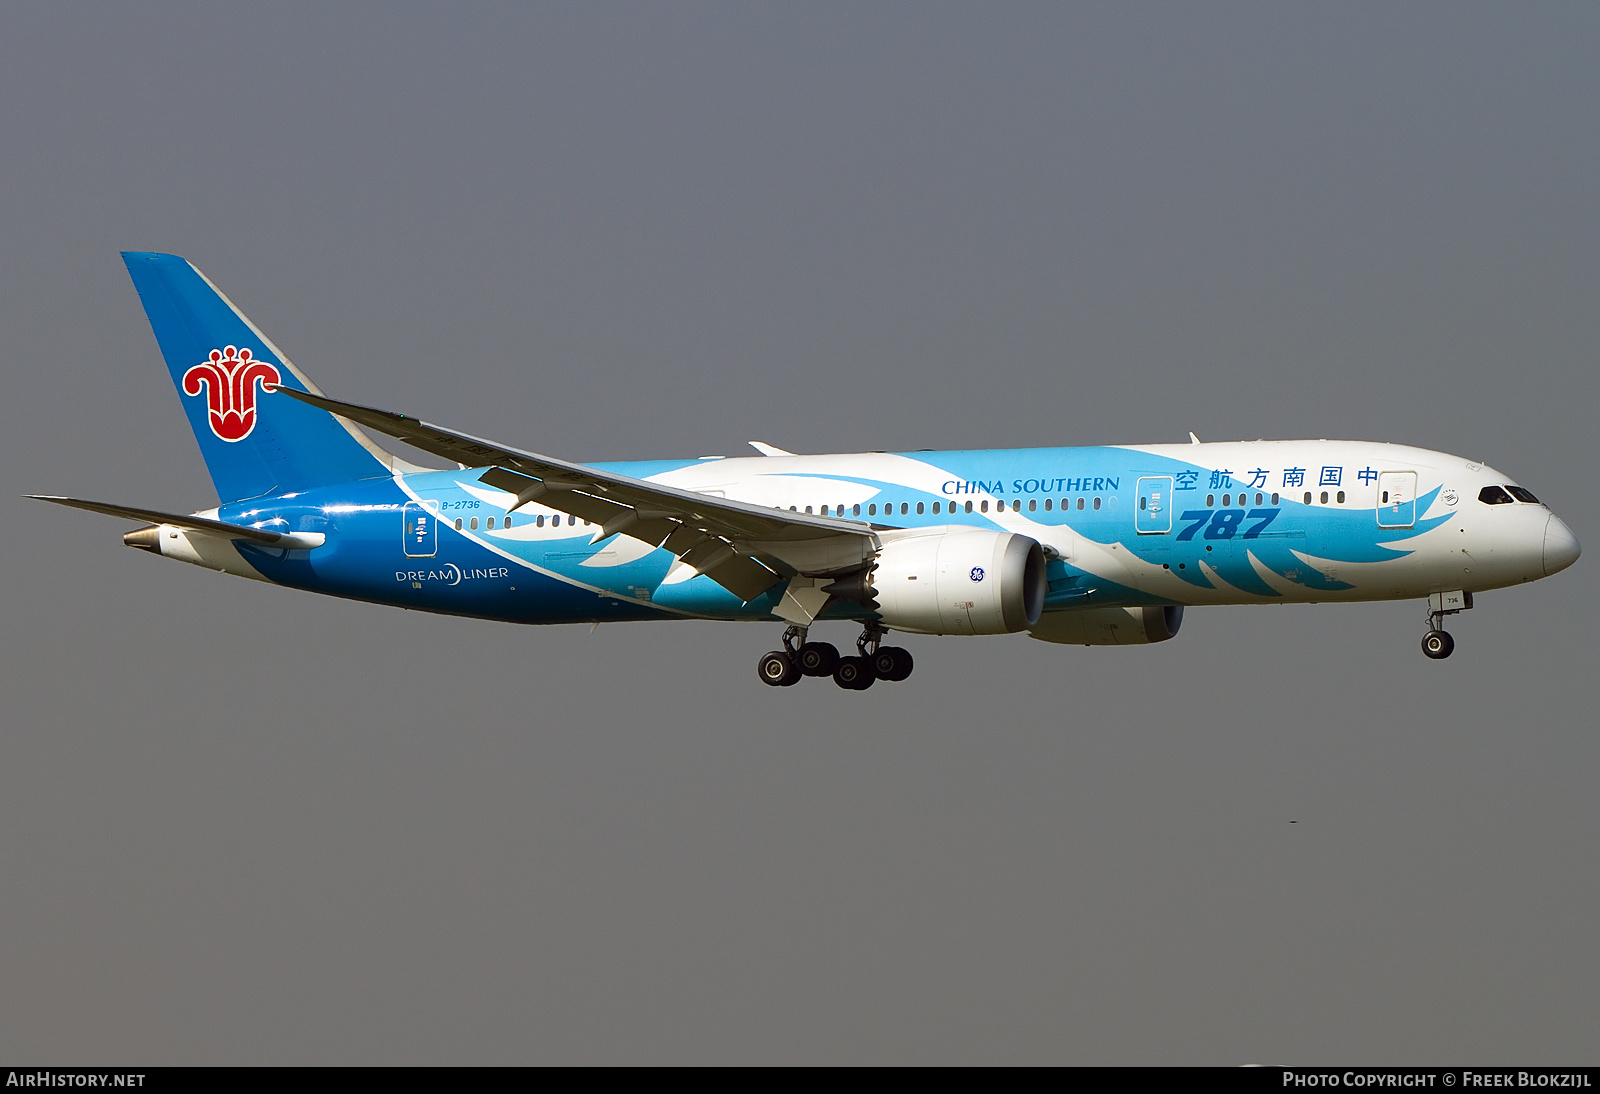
<point>1397,499</point>
<point>421,534</point>
<point>1154,514</point>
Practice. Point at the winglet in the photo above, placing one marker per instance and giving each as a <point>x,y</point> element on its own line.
<point>1192,438</point>
<point>769,449</point>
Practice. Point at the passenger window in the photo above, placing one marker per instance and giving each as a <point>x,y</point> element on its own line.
<point>969,507</point>
<point>1258,499</point>
<point>1227,500</point>
<point>507,521</point>
<point>1211,501</point>
<point>904,508</point>
<point>1522,495</point>
<point>491,522</point>
<point>1097,503</point>
<point>1493,495</point>
<point>936,508</point>
<point>1274,499</point>
<point>1000,506</point>
<point>824,510</point>
<point>1308,497</point>
<point>808,508</point>
<point>1340,498</point>
<point>474,524</point>
<point>1032,505</point>
<point>458,524</point>
<point>1080,505</point>
<point>538,522</point>
<point>919,508</point>
<point>1324,497</point>
<point>872,510</point>
<point>1046,505</point>
<point>572,520</point>
<point>985,505</point>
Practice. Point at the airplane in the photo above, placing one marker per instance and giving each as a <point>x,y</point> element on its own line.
<point>1081,546</point>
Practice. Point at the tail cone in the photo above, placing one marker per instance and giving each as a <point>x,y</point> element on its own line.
<point>146,539</point>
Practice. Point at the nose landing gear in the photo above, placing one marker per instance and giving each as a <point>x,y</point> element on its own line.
<point>872,661</point>
<point>1437,643</point>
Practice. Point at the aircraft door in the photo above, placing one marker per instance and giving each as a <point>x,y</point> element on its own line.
<point>1397,499</point>
<point>1154,514</point>
<point>421,535</point>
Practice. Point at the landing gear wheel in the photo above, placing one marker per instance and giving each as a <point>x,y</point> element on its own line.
<point>892,662</point>
<point>818,659</point>
<point>1438,645</point>
<point>776,670</point>
<point>854,674</point>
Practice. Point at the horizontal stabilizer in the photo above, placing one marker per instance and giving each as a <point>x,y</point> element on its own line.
<point>287,541</point>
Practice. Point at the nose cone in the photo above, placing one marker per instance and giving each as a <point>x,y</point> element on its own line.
<point>1560,546</point>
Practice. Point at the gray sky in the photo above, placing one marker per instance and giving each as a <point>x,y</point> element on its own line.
<point>243,824</point>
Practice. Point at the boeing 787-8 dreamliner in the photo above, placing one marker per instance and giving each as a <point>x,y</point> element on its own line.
<point>1081,546</point>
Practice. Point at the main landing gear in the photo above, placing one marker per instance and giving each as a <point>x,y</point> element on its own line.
<point>872,661</point>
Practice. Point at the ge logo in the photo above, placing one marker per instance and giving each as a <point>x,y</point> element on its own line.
<point>977,573</point>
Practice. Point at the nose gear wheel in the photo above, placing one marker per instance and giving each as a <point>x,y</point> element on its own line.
<point>1437,643</point>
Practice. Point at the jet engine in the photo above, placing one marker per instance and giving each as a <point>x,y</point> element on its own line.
<point>1109,626</point>
<point>956,580</point>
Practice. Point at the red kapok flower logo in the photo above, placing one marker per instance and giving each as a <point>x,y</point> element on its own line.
<point>229,379</point>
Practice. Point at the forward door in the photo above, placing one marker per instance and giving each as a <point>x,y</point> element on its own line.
<point>1397,499</point>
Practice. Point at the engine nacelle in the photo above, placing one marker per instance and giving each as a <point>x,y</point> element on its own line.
<point>1109,626</point>
<point>957,580</point>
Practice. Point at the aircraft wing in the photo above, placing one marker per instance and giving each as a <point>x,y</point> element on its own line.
<point>260,536</point>
<point>745,548</point>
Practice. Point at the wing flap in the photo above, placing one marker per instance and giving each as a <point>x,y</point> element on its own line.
<point>744,577</point>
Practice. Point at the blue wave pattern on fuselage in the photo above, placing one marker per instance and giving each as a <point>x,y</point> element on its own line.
<point>544,571</point>
<point>364,559</point>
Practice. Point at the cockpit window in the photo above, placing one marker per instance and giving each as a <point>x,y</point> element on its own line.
<point>1494,495</point>
<point>1523,495</point>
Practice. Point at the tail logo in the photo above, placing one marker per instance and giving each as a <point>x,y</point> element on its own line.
<point>229,380</point>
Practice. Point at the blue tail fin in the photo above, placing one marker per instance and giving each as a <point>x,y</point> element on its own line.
<point>254,442</point>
